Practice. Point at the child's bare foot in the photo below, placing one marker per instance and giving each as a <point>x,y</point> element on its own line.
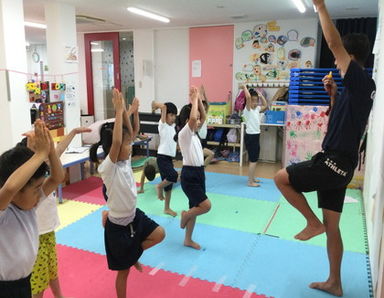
<point>310,231</point>
<point>192,244</point>
<point>329,287</point>
<point>253,184</point>
<point>104,216</point>
<point>138,266</point>
<point>170,212</point>
<point>256,180</point>
<point>159,193</point>
<point>183,220</point>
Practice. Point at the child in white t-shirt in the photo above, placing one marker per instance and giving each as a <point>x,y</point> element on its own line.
<point>23,184</point>
<point>251,114</point>
<point>192,175</point>
<point>166,152</point>
<point>128,231</point>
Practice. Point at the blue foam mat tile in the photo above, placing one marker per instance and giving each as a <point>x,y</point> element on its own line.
<point>221,253</point>
<point>234,185</point>
<point>284,269</point>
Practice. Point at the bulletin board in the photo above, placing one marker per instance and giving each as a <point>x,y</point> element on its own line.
<point>267,50</point>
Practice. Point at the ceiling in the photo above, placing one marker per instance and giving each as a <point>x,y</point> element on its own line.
<point>188,12</point>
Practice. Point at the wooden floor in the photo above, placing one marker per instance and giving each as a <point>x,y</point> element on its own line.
<point>263,169</point>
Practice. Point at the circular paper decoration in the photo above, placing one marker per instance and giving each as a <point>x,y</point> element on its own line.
<point>265,58</point>
<point>307,42</point>
<point>247,35</point>
<point>239,43</point>
<point>272,38</point>
<point>240,76</point>
<point>294,55</point>
<point>282,39</point>
<point>293,35</point>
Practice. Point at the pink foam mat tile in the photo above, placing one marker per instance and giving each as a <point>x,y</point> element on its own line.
<point>84,274</point>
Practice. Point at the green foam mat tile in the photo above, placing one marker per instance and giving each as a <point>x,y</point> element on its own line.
<point>139,162</point>
<point>236,213</point>
<point>288,222</point>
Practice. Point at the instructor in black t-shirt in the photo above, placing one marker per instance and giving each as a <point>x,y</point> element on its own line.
<point>330,171</point>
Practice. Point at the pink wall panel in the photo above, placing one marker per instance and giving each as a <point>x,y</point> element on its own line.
<point>214,47</point>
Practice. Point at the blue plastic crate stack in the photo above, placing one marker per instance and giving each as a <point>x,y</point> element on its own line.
<point>306,86</point>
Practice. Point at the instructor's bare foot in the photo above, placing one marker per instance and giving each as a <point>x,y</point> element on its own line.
<point>138,266</point>
<point>310,231</point>
<point>329,287</point>
<point>159,191</point>
<point>183,220</point>
<point>192,244</point>
<point>170,212</point>
<point>253,184</point>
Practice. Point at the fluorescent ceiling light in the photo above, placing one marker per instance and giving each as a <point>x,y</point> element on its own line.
<point>300,5</point>
<point>97,50</point>
<point>27,44</point>
<point>35,25</point>
<point>94,43</point>
<point>148,14</point>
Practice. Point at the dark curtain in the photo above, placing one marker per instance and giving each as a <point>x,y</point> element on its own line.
<point>367,26</point>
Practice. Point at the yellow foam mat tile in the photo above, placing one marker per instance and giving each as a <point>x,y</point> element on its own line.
<point>71,211</point>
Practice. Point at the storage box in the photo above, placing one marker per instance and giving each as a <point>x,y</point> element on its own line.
<point>275,117</point>
<point>218,112</point>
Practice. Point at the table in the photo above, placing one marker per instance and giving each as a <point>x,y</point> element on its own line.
<point>72,159</point>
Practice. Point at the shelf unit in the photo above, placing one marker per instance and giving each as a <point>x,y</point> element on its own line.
<point>239,144</point>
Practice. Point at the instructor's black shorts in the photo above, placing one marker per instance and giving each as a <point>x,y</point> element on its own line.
<point>328,173</point>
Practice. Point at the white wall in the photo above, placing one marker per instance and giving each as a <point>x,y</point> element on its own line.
<point>171,66</point>
<point>41,50</point>
<point>143,51</point>
<point>14,106</point>
<point>374,177</point>
<point>82,75</point>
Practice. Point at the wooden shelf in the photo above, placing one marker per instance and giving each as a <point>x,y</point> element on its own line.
<point>226,144</point>
<point>225,125</point>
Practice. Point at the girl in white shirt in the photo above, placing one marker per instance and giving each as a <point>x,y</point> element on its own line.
<point>166,152</point>
<point>251,114</point>
<point>192,174</point>
<point>128,231</point>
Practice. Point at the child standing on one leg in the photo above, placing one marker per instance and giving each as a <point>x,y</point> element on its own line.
<point>192,175</point>
<point>330,171</point>
<point>128,231</point>
<point>252,136</point>
<point>45,273</point>
<point>23,185</point>
<point>166,152</point>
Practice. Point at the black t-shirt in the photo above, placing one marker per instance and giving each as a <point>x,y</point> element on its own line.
<point>350,113</point>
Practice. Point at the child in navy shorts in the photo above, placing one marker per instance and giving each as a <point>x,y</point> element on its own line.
<point>128,231</point>
<point>166,152</point>
<point>192,175</point>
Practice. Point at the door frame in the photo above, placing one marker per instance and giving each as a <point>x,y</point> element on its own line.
<point>91,37</point>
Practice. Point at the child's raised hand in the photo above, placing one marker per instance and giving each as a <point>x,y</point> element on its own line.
<point>117,100</point>
<point>135,105</point>
<point>318,3</point>
<point>41,141</point>
<point>193,94</point>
